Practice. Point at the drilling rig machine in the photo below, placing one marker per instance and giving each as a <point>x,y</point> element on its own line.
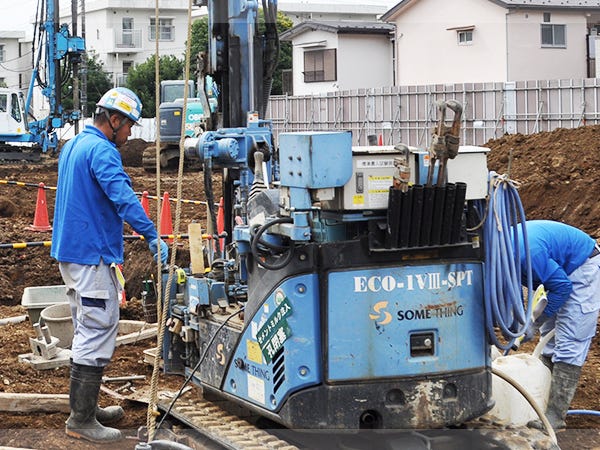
<point>53,60</point>
<point>350,292</point>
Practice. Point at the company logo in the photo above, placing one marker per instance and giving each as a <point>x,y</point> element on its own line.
<point>220,356</point>
<point>380,313</point>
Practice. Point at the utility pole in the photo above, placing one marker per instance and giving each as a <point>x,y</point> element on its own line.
<point>76,100</point>
<point>84,111</point>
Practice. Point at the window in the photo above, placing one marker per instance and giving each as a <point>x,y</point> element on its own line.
<point>15,111</point>
<point>3,102</point>
<point>128,31</point>
<point>165,29</point>
<point>2,54</point>
<point>554,35</point>
<point>320,65</point>
<point>465,37</point>
<point>547,18</point>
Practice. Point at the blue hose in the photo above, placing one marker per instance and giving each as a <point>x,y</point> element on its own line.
<point>504,303</point>
<point>575,412</point>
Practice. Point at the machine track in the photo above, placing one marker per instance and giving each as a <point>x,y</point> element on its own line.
<point>223,429</point>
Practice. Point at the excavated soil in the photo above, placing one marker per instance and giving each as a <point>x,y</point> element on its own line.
<point>558,172</point>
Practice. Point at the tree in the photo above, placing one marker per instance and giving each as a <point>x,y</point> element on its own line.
<point>140,79</point>
<point>98,82</point>
<point>200,44</point>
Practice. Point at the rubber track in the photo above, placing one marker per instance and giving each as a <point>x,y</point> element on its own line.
<point>224,428</point>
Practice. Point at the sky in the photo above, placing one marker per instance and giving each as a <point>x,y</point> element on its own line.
<point>17,15</point>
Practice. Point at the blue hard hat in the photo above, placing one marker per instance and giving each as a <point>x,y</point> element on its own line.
<point>122,100</point>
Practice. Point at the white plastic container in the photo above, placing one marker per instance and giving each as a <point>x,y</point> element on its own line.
<point>511,407</point>
<point>36,298</point>
<point>58,319</point>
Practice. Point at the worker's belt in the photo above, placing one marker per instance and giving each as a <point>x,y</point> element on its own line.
<point>595,252</point>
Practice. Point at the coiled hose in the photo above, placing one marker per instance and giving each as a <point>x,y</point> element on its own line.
<point>504,305</point>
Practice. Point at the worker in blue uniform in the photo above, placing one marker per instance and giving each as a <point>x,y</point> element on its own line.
<point>566,261</point>
<point>93,198</point>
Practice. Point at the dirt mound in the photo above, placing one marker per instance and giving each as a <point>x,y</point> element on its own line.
<point>131,152</point>
<point>557,171</point>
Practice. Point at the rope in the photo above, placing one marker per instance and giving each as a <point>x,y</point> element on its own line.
<point>127,237</point>
<point>504,303</point>
<point>152,405</point>
<point>139,194</point>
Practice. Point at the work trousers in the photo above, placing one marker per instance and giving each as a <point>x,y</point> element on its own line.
<point>93,293</point>
<point>576,321</point>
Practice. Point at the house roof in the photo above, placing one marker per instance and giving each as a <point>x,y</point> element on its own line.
<point>339,27</point>
<point>12,34</point>
<point>514,4</point>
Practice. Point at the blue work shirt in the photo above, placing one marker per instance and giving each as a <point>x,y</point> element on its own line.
<point>556,250</point>
<point>93,198</point>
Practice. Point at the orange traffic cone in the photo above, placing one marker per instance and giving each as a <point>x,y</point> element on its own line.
<point>166,222</point>
<point>145,203</point>
<point>40,220</point>
<point>380,140</point>
<point>221,223</point>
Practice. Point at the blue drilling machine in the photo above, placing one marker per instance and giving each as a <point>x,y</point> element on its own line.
<point>57,52</point>
<point>349,293</point>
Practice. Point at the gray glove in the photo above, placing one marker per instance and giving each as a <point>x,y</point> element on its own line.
<point>534,327</point>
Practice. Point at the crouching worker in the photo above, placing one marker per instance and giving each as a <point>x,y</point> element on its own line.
<point>566,261</point>
<point>93,198</point>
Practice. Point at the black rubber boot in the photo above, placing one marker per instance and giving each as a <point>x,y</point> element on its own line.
<point>109,414</point>
<point>562,390</point>
<point>83,399</point>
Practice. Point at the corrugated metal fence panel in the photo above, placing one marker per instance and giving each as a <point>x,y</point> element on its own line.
<point>146,130</point>
<point>409,114</point>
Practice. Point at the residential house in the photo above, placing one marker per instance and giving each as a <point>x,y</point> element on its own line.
<point>318,10</point>
<point>123,32</point>
<point>15,60</point>
<point>340,55</point>
<point>441,41</point>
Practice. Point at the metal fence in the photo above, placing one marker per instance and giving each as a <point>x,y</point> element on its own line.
<point>408,114</point>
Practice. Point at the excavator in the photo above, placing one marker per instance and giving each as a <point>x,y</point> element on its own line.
<point>22,136</point>
<point>349,294</point>
<point>198,116</point>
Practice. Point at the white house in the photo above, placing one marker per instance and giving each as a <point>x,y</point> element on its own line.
<point>441,41</point>
<point>318,10</point>
<point>331,56</point>
<point>123,33</point>
<point>15,60</point>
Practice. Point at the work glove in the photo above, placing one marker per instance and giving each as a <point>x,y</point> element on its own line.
<point>534,327</point>
<point>164,250</point>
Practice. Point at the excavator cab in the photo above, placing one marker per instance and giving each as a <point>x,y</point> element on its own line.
<point>12,113</point>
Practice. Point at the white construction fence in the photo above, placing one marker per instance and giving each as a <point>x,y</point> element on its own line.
<point>408,114</point>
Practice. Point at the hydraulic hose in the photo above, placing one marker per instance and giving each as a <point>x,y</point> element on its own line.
<point>577,412</point>
<point>504,305</point>
<point>257,240</point>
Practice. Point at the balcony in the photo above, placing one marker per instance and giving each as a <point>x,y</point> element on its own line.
<point>128,41</point>
<point>120,79</point>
